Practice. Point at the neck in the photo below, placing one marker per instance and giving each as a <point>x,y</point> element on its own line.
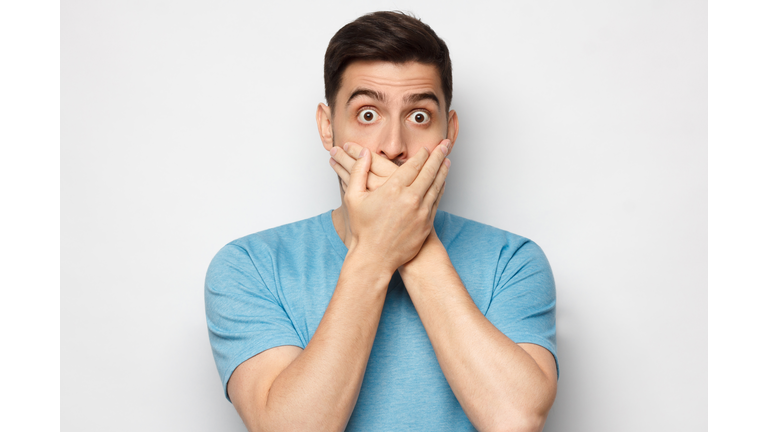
<point>338,223</point>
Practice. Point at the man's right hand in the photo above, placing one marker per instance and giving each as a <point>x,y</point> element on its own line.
<point>389,224</point>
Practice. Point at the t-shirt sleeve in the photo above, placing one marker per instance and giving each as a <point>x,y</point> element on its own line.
<point>242,309</point>
<point>523,302</point>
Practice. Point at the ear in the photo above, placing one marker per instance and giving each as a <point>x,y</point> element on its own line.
<point>453,128</point>
<point>324,126</point>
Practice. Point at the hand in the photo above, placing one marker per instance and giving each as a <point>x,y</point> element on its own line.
<point>391,223</point>
<point>342,161</point>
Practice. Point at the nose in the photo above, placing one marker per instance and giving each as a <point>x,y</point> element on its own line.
<point>393,144</point>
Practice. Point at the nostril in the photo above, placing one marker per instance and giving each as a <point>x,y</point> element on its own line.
<point>398,158</point>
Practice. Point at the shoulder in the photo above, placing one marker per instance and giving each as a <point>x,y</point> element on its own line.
<point>264,247</point>
<point>458,232</point>
<point>474,246</point>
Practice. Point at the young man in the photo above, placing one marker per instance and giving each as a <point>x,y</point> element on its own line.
<point>385,314</point>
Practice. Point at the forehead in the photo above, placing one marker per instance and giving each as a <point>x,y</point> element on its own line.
<point>392,79</point>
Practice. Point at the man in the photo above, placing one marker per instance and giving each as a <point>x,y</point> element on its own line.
<point>385,314</point>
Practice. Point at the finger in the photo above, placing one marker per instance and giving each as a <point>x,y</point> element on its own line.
<point>373,182</point>
<point>340,171</point>
<point>380,165</point>
<point>407,173</point>
<point>359,173</point>
<point>433,210</point>
<point>431,168</point>
<point>433,193</point>
<point>353,149</point>
<point>339,155</point>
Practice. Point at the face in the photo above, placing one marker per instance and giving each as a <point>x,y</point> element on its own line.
<point>391,109</point>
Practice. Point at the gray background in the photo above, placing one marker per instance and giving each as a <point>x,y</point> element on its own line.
<point>186,124</point>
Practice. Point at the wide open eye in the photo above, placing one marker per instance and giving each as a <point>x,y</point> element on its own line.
<point>419,117</point>
<point>367,116</point>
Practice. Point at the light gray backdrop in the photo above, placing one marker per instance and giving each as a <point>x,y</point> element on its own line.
<point>187,124</point>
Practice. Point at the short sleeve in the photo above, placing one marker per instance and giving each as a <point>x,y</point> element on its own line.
<point>242,309</point>
<point>523,302</point>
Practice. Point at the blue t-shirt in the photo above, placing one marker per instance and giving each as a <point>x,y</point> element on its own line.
<point>272,288</point>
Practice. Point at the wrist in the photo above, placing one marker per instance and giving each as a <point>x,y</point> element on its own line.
<point>430,258</point>
<point>366,263</point>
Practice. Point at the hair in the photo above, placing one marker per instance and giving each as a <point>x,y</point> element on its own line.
<point>385,36</point>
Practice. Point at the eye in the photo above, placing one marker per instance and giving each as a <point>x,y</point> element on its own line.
<point>368,116</point>
<point>419,117</point>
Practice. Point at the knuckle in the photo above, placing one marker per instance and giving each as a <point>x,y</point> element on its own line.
<point>412,200</point>
<point>430,170</point>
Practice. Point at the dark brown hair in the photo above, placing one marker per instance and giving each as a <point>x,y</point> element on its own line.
<point>385,36</point>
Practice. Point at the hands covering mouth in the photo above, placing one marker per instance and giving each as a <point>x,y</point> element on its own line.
<point>342,160</point>
<point>388,211</point>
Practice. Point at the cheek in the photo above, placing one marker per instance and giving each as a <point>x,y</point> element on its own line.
<point>368,137</point>
<point>425,137</point>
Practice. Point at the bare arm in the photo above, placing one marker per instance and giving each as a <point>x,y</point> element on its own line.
<point>500,385</point>
<point>286,388</point>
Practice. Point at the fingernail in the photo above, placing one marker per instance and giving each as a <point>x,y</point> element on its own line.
<point>362,153</point>
<point>447,162</point>
<point>444,149</point>
<point>333,162</point>
<point>334,150</point>
<point>346,146</point>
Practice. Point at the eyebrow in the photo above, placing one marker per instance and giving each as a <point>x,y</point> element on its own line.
<point>417,97</point>
<point>379,97</point>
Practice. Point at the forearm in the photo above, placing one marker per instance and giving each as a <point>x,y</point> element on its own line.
<point>498,384</point>
<point>319,389</point>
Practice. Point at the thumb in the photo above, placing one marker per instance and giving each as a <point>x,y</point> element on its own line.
<point>359,175</point>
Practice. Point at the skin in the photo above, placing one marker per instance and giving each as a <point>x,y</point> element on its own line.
<point>396,133</point>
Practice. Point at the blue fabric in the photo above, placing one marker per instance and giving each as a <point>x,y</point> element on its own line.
<point>271,289</point>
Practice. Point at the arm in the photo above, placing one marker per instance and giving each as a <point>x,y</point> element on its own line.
<point>286,388</point>
<point>500,385</point>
